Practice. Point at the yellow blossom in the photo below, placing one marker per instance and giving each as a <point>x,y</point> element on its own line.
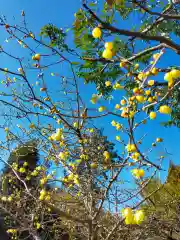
<point>107,54</point>
<point>117,86</point>
<point>108,83</point>
<point>151,82</point>
<point>101,109</point>
<point>138,173</point>
<point>152,115</point>
<point>131,148</point>
<point>109,45</point>
<point>165,109</point>
<point>96,33</point>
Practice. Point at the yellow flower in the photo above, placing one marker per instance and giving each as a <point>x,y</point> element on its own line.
<point>91,130</point>
<point>20,70</point>
<point>141,75</point>
<point>140,98</point>
<point>113,123</point>
<point>96,33</point>
<point>22,170</point>
<point>170,83</point>
<point>101,109</point>
<point>136,66</point>
<point>48,198</point>
<point>6,129</point>
<point>76,180</point>
<point>154,71</point>
<point>58,135</point>
<point>62,156</point>
<point>32,125</point>
<point>38,225</point>
<point>31,35</point>
<point>151,82</point>
<point>118,126</point>
<point>175,73</point>
<point>131,148</point>
<point>118,138</point>
<point>135,156</point>
<point>36,57</point>
<point>122,64</point>
<point>159,140</point>
<point>43,181</point>
<point>109,45</point>
<point>108,83</point>
<point>117,106</point>
<point>42,194</point>
<point>94,165</point>
<point>147,92</point>
<point>4,198</point>
<point>75,124</point>
<point>59,121</point>
<point>123,102</point>
<point>150,99</point>
<point>168,77</point>
<point>127,212</point>
<point>139,216</point>
<point>148,73</point>
<point>165,109</point>
<point>117,86</point>
<point>34,173</point>
<point>13,231</point>
<point>107,54</point>
<point>138,173</point>
<point>156,56</point>
<point>136,90</point>
<point>10,199</point>
<point>129,220</point>
<point>152,115</point>
<point>106,154</point>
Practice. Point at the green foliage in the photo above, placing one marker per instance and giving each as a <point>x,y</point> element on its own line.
<point>164,201</point>
<point>56,36</point>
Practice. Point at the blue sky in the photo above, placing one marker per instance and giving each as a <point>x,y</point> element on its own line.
<point>61,13</point>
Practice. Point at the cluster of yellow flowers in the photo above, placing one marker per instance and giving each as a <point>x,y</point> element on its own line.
<point>138,173</point>
<point>108,52</point>
<point>63,155</point>
<point>58,136</point>
<point>135,156</point>
<point>37,170</point>
<point>44,195</point>
<point>116,124</point>
<point>106,155</point>
<point>117,86</point>
<point>46,178</point>
<point>133,218</point>
<point>131,148</point>
<point>165,109</point>
<point>7,199</point>
<point>71,178</point>
<point>171,77</point>
<point>12,231</point>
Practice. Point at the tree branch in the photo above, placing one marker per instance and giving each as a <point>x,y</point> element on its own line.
<point>165,16</point>
<point>170,44</point>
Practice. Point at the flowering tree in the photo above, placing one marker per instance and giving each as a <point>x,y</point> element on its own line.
<point>77,187</point>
